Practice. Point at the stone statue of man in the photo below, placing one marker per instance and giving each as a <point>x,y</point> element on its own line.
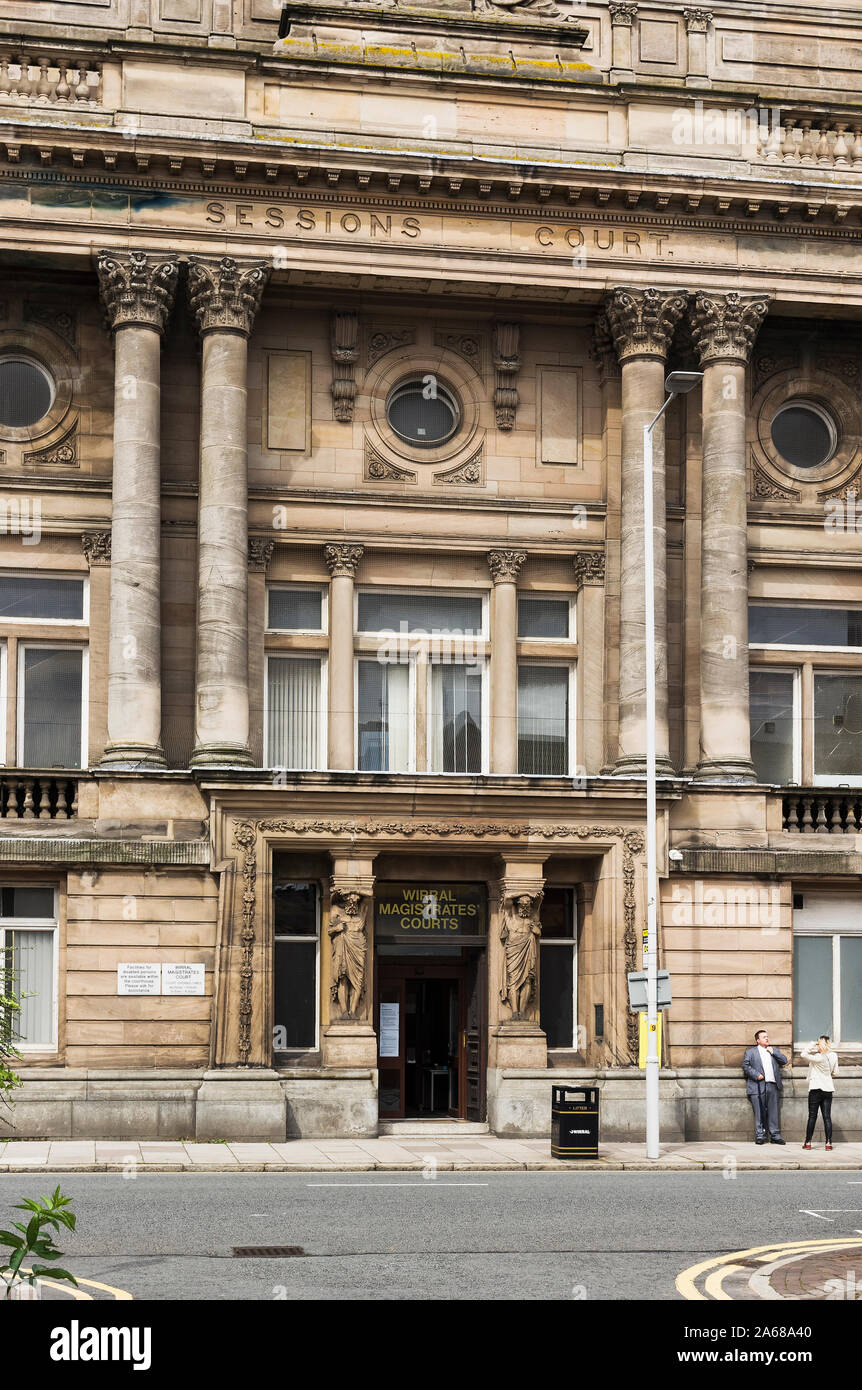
<point>348,936</point>
<point>520,935</point>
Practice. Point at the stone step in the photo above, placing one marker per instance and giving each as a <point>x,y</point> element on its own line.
<point>432,1128</point>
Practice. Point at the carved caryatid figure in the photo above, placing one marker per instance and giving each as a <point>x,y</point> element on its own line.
<point>349,940</point>
<point>520,935</point>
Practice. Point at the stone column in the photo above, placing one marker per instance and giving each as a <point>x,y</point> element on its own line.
<point>622,19</point>
<point>137,290</point>
<point>697,22</point>
<point>342,562</point>
<point>224,296</point>
<point>724,327</point>
<point>505,566</point>
<point>642,323</point>
<point>515,1035</point>
<point>349,1039</point>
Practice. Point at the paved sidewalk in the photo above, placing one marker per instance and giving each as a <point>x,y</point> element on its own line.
<point>391,1154</point>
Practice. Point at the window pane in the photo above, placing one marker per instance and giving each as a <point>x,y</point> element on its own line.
<point>295,610</point>
<point>37,901</point>
<point>27,596</point>
<point>812,987</point>
<point>26,393</point>
<point>295,909</point>
<point>557,995</point>
<point>771,710</point>
<point>543,617</point>
<point>851,989</point>
<point>809,627</point>
<point>456,719</point>
<point>293,712</point>
<point>543,721</point>
<point>52,707</point>
<point>294,1010</point>
<point>420,612</point>
<point>557,914</point>
<point>838,726</point>
<point>33,963</point>
<point>384,717</point>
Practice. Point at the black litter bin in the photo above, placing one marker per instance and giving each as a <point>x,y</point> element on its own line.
<point>574,1122</point>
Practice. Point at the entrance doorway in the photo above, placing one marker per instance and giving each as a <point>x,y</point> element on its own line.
<point>430,1030</point>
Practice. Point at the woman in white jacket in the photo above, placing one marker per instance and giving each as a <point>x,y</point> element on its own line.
<point>822,1068</point>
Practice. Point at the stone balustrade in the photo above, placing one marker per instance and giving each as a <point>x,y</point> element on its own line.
<point>49,80</point>
<point>40,796</point>
<point>811,141</point>
<point>822,812</point>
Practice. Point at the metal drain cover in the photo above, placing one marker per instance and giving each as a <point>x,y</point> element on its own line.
<point>266,1252</point>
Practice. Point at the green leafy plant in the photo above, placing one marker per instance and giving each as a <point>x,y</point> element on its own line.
<point>10,1007</point>
<point>36,1240</point>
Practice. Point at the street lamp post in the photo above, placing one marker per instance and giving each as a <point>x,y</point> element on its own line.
<point>677,384</point>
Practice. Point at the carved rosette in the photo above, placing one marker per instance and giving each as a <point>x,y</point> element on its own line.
<point>62,454</point>
<point>505,565</point>
<point>467,474</point>
<point>724,326</point>
<point>507,364</point>
<point>225,295</point>
<point>697,20</point>
<point>344,349</point>
<point>137,287</point>
<point>342,560</point>
<point>643,322</point>
<point>96,546</point>
<point>378,469</point>
<point>259,554</point>
<point>383,340</point>
<point>589,567</point>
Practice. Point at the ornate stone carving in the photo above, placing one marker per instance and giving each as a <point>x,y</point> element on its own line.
<point>589,567</point>
<point>467,474</point>
<point>851,489</point>
<point>507,364</point>
<point>505,565</point>
<point>383,340</point>
<point>225,295</point>
<point>137,287</point>
<point>344,348</point>
<point>259,554</point>
<point>245,840</point>
<point>520,932</point>
<point>62,454</point>
<point>342,559</point>
<point>546,8</point>
<point>847,368</point>
<point>604,351</point>
<point>467,345</point>
<point>62,322</point>
<point>96,546</point>
<point>348,936</point>
<point>697,20</point>
<point>726,325</point>
<point>767,364</point>
<point>763,486</point>
<point>623,14</point>
<point>643,322</point>
<point>377,469</point>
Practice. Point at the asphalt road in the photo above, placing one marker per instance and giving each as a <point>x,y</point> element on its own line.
<point>466,1236</point>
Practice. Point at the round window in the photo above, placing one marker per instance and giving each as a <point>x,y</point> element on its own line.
<point>804,435</point>
<point>26,392</point>
<point>423,413</point>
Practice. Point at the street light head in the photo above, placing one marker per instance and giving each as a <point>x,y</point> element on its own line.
<point>679,383</point>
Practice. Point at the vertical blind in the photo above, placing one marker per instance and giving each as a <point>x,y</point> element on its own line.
<point>33,963</point>
<point>384,717</point>
<point>293,712</point>
<point>543,721</point>
<point>456,719</point>
<point>52,706</point>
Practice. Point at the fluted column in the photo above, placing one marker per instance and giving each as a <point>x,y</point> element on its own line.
<point>724,327</point>
<point>642,323</point>
<point>137,291</point>
<point>342,561</point>
<point>224,296</point>
<point>505,566</point>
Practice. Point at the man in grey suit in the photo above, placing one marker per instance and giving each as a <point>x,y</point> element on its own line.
<point>762,1067</point>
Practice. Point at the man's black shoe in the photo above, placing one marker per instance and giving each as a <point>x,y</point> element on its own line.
<point>760,1141</point>
<point>777,1140</point>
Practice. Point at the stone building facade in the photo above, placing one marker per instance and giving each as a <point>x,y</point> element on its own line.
<point>327,342</point>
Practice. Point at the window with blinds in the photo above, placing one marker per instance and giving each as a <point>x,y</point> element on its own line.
<point>543,720</point>
<point>52,727</point>
<point>428,613</point>
<point>294,724</point>
<point>383,717</point>
<point>42,598</point>
<point>28,938</point>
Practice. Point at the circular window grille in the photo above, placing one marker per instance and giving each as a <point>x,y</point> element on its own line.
<point>804,434</point>
<point>422,412</point>
<point>26,392</point>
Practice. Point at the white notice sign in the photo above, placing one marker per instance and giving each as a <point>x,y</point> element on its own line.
<point>139,978</point>
<point>182,979</point>
<point>389,1018</point>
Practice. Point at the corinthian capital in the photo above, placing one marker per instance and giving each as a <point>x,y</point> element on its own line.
<point>342,560</point>
<point>725,325</point>
<point>643,321</point>
<point>697,20</point>
<point>622,13</point>
<point>136,287</point>
<point>225,295</point>
<point>505,565</point>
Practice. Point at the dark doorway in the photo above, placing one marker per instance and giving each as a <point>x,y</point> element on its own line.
<point>430,1040</point>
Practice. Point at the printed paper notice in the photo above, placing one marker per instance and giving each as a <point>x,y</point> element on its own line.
<point>389,1015</point>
